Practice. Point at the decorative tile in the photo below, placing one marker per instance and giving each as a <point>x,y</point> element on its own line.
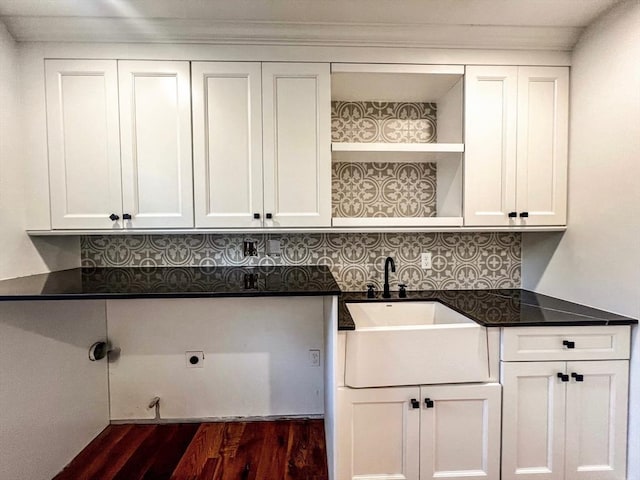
<point>379,189</point>
<point>386,122</point>
<point>460,260</point>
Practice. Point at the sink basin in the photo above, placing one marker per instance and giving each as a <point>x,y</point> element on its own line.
<point>413,343</point>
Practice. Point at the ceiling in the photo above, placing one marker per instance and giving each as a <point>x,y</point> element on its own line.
<point>504,24</point>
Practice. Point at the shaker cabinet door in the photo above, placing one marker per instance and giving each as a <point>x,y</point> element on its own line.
<point>378,433</point>
<point>596,440</point>
<point>227,143</point>
<point>533,420</point>
<point>297,144</point>
<point>542,151</point>
<point>155,129</point>
<point>84,143</point>
<point>460,432</point>
<point>491,98</point>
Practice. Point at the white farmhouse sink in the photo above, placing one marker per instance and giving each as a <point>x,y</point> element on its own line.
<point>413,343</point>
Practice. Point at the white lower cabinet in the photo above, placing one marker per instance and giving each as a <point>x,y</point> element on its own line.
<point>564,420</point>
<point>397,433</point>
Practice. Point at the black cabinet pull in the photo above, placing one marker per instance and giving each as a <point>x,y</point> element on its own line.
<point>126,216</point>
<point>428,403</point>
<point>563,377</point>
<point>524,214</point>
<point>269,216</point>
<point>256,216</point>
<point>578,377</point>
<point>415,403</point>
<point>513,214</point>
<point>113,217</point>
<point>569,344</point>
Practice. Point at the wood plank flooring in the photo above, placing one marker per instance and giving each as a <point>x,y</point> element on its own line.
<point>278,450</point>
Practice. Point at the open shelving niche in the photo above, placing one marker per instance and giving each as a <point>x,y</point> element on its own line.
<point>424,84</point>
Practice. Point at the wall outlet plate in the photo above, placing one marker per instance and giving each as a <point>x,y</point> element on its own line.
<point>194,359</point>
<point>314,357</point>
<point>426,260</point>
<point>274,248</point>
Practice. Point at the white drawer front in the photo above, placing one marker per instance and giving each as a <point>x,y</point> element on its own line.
<point>565,343</point>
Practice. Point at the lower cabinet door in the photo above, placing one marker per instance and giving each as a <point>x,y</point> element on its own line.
<point>378,433</point>
<point>533,420</point>
<point>597,420</point>
<point>460,432</point>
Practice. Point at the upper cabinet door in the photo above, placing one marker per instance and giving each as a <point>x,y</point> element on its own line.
<point>543,116</point>
<point>155,126</point>
<point>297,144</point>
<point>84,143</point>
<point>227,144</point>
<point>490,145</point>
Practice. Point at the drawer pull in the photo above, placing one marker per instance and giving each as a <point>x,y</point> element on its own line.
<point>569,344</point>
<point>578,377</point>
<point>428,403</point>
<point>415,403</point>
<point>563,377</point>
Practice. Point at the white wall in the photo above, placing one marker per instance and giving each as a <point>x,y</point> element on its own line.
<point>597,261</point>
<point>20,256</point>
<point>256,357</point>
<point>53,400</point>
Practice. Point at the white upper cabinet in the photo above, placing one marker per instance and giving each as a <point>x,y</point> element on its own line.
<point>543,137</point>
<point>227,144</point>
<point>155,129</point>
<point>297,144</point>
<point>84,143</point>
<point>516,137</point>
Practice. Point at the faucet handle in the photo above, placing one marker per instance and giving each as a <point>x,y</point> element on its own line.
<point>371,292</point>
<point>403,290</point>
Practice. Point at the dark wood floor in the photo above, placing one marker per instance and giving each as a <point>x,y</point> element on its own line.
<point>280,450</point>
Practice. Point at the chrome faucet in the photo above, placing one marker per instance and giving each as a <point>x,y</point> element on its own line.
<point>387,262</point>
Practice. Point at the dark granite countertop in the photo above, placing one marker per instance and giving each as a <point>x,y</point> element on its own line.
<point>172,282</point>
<point>491,308</point>
<point>497,308</point>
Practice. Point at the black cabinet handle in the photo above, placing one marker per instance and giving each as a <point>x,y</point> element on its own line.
<point>569,344</point>
<point>513,214</point>
<point>524,214</point>
<point>563,377</point>
<point>415,403</point>
<point>256,216</point>
<point>126,216</point>
<point>578,377</point>
<point>428,403</point>
<point>269,216</point>
<point>113,217</point>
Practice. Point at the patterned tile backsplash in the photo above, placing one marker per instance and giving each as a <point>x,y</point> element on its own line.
<point>384,122</point>
<point>383,189</point>
<point>460,260</point>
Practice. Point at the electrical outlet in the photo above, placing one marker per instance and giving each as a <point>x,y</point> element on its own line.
<point>194,359</point>
<point>249,248</point>
<point>426,260</point>
<point>314,358</point>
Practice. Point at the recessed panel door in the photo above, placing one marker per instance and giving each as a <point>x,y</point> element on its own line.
<point>84,144</point>
<point>460,432</point>
<point>155,126</point>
